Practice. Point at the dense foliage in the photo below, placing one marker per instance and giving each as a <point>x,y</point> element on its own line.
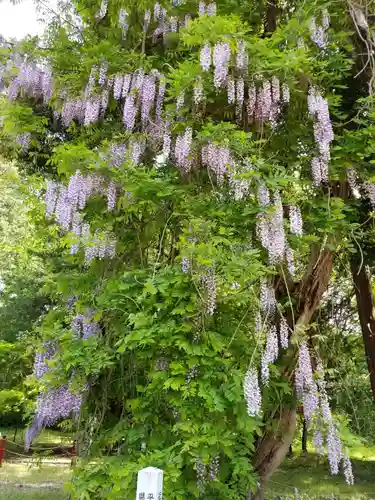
<point>208,166</point>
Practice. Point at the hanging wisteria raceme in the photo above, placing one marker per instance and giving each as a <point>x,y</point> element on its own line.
<point>285,93</point>
<point>53,405</point>
<point>111,195</point>
<point>252,392</point>
<point>284,333</point>
<point>198,93</point>
<point>318,441</point>
<point>305,385</point>
<point>103,9</point>
<point>218,159</point>
<point>334,450</point>
<point>52,193</point>
<point>323,134</point>
<point>205,57</point>
<point>211,9</point>
<point>270,353</point>
<point>295,218</point>
<point>289,258</point>
<point>123,22</point>
<point>318,32</point>
<point>103,73</point>
<point>213,467</point>
<point>182,151</point>
<point>201,474</point>
<point>231,89</point>
<point>91,83</point>
<point>101,246</point>
<point>84,326</point>
<point>32,81</point>
<point>242,59</point>
<point>221,57</point>
<point>263,103</point>
<point>209,284</point>
<point>130,112</point>
<point>118,86</point>
<point>369,188</point>
<point>180,100</point>
<point>41,366</point>
<point>202,8</point>
<point>73,110</point>
<point>347,468</point>
<point>251,101</point>
<point>92,111</point>
<point>167,142</point>
<point>147,97</point>
<point>137,149</point>
<point>267,298</point>
<point>240,186</point>
<point>185,265</point>
<point>117,154</point>
<point>270,230</point>
<point>23,140</point>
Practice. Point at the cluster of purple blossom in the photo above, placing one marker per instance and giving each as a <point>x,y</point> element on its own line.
<point>53,404</point>
<point>217,159</point>
<point>41,366</point>
<point>318,32</point>
<point>209,284</point>
<point>205,473</point>
<point>101,246</point>
<point>84,326</point>
<point>66,202</point>
<point>31,81</point>
<point>209,9</point>
<point>323,134</point>
<point>311,390</point>
<point>123,22</point>
<point>296,222</point>
<point>23,140</point>
<point>252,392</point>
<point>165,24</point>
<point>182,152</point>
<point>270,227</point>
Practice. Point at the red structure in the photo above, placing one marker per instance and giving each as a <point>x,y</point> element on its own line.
<point>2,449</point>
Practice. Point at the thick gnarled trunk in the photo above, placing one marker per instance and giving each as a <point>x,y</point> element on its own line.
<point>366,312</point>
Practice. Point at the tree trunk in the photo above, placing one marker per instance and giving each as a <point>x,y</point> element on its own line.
<point>304,436</point>
<point>273,447</point>
<point>275,444</point>
<point>366,311</point>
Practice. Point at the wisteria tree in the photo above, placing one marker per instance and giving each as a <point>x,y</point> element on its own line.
<point>207,166</point>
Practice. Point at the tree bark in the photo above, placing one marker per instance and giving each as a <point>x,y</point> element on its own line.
<point>366,312</point>
<point>271,17</point>
<point>304,436</point>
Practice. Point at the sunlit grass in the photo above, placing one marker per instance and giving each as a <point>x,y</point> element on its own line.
<point>33,473</point>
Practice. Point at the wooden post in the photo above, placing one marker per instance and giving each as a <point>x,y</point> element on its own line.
<point>73,453</point>
<point>2,449</point>
<point>150,484</point>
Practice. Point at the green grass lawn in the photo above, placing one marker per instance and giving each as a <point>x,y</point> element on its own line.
<point>310,475</point>
<point>19,494</point>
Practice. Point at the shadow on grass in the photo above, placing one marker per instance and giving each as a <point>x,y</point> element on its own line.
<point>310,475</point>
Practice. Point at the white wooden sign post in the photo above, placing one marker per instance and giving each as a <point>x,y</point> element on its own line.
<point>150,484</point>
